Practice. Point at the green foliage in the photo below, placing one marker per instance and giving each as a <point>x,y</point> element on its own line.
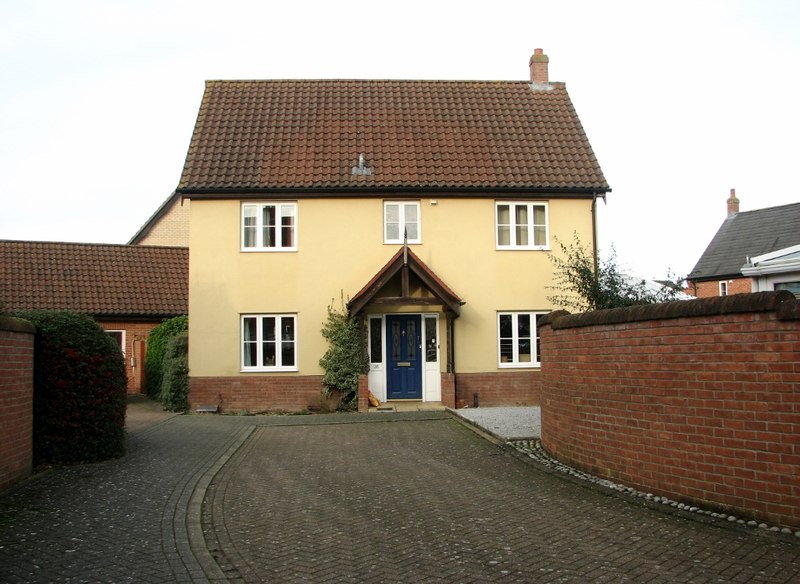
<point>346,357</point>
<point>80,390</point>
<point>175,374</point>
<point>580,288</point>
<point>156,347</point>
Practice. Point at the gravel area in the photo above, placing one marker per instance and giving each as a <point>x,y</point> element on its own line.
<point>507,423</point>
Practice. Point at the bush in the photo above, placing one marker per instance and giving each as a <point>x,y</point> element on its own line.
<point>156,347</point>
<point>80,390</point>
<point>585,283</point>
<point>345,359</point>
<point>175,380</point>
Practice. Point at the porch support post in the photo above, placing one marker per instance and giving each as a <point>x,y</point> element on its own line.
<point>451,352</point>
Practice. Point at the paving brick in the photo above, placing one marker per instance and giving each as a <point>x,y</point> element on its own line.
<point>398,498</point>
<point>431,501</point>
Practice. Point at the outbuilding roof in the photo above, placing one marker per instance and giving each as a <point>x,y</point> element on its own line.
<point>745,235</point>
<point>102,280</point>
<point>373,136</point>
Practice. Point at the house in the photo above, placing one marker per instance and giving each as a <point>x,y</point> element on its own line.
<point>168,226</point>
<point>430,206</point>
<point>752,251</point>
<point>127,289</point>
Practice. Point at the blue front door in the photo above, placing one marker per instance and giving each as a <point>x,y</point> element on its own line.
<point>403,349</point>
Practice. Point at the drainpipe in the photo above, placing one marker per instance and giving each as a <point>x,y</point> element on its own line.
<point>451,356</point>
<point>595,254</point>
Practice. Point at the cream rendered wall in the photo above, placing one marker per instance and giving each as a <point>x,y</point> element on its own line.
<point>340,248</point>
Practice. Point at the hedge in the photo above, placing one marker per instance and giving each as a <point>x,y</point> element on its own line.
<point>80,390</point>
<point>156,347</point>
<point>175,374</point>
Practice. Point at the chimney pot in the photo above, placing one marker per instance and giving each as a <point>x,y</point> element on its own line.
<point>733,204</point>
<point>538,65</point>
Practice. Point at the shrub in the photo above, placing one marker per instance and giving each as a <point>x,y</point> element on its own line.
<point>585,283</point>
<point>175,379</point>
<point>346,357</point>
<point>156,346</point>
<point>80,390</point>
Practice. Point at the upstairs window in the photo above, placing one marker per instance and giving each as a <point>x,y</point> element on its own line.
<point>522,225</point>
<point>269,227</point>
<point>399,219</point>
<point>723,288</point>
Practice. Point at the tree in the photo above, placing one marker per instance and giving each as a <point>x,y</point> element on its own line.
<point>584,284</point>
<point>345,358</point>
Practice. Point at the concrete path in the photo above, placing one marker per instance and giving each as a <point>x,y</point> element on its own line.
<point>352,498</point>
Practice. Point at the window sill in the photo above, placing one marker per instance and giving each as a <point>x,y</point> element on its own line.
<point>267,249</point>
<point>518,248</point>
<point>269,370</point>
<point>519,365</point>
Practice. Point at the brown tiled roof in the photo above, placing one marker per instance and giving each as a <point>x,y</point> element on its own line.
<point>306,135</point>
<point>97,279</point>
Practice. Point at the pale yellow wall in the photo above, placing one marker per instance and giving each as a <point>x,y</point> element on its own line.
<point>340,243</point>
<point>172,228</point>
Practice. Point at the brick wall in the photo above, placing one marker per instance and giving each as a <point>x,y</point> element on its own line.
<point>499,388</point>
<point>697,400</point>
<point>711,289</point>
<point>275,393</point>
<point>16,400</point>
<point>135,348</point>
<point>172,228</point>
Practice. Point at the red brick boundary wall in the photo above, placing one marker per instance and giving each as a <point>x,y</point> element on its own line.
<point>696,400</point>
<point>499,388</point>
<point>16,400</point>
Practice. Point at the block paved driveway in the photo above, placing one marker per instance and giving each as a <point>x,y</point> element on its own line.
<point>420,498</point>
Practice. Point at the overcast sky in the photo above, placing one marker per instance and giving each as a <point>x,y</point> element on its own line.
<point>681,100</point>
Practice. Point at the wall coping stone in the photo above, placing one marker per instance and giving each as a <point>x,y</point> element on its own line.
<point>782,302</point>
<point>16,325</point>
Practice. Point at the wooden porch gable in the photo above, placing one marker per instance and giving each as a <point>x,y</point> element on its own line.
<point>405,262</point>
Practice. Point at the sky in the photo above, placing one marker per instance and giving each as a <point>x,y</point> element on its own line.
<point>682,100</point>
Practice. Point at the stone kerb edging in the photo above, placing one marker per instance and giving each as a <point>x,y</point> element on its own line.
<point>782,302</point>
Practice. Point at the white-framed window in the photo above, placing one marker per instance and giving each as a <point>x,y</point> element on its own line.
<point>723,288</point>
<point>793,287</point>
<point>119,337</point>
<point>521,225</point>
<point>518,339</point>
<point>269,227</point>
<point>269,342</point>
<point>401,218</point>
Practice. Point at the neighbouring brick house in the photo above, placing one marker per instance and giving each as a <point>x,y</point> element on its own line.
<point>753,251</point>
<point>169,225</point>
<point>432,206</point>
<point>127,289</point>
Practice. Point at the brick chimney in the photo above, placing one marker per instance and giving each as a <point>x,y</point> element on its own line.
<point>538,65</point>
<point>733,204</point>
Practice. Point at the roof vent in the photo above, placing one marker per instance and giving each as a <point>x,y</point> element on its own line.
<point>362,169</point>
